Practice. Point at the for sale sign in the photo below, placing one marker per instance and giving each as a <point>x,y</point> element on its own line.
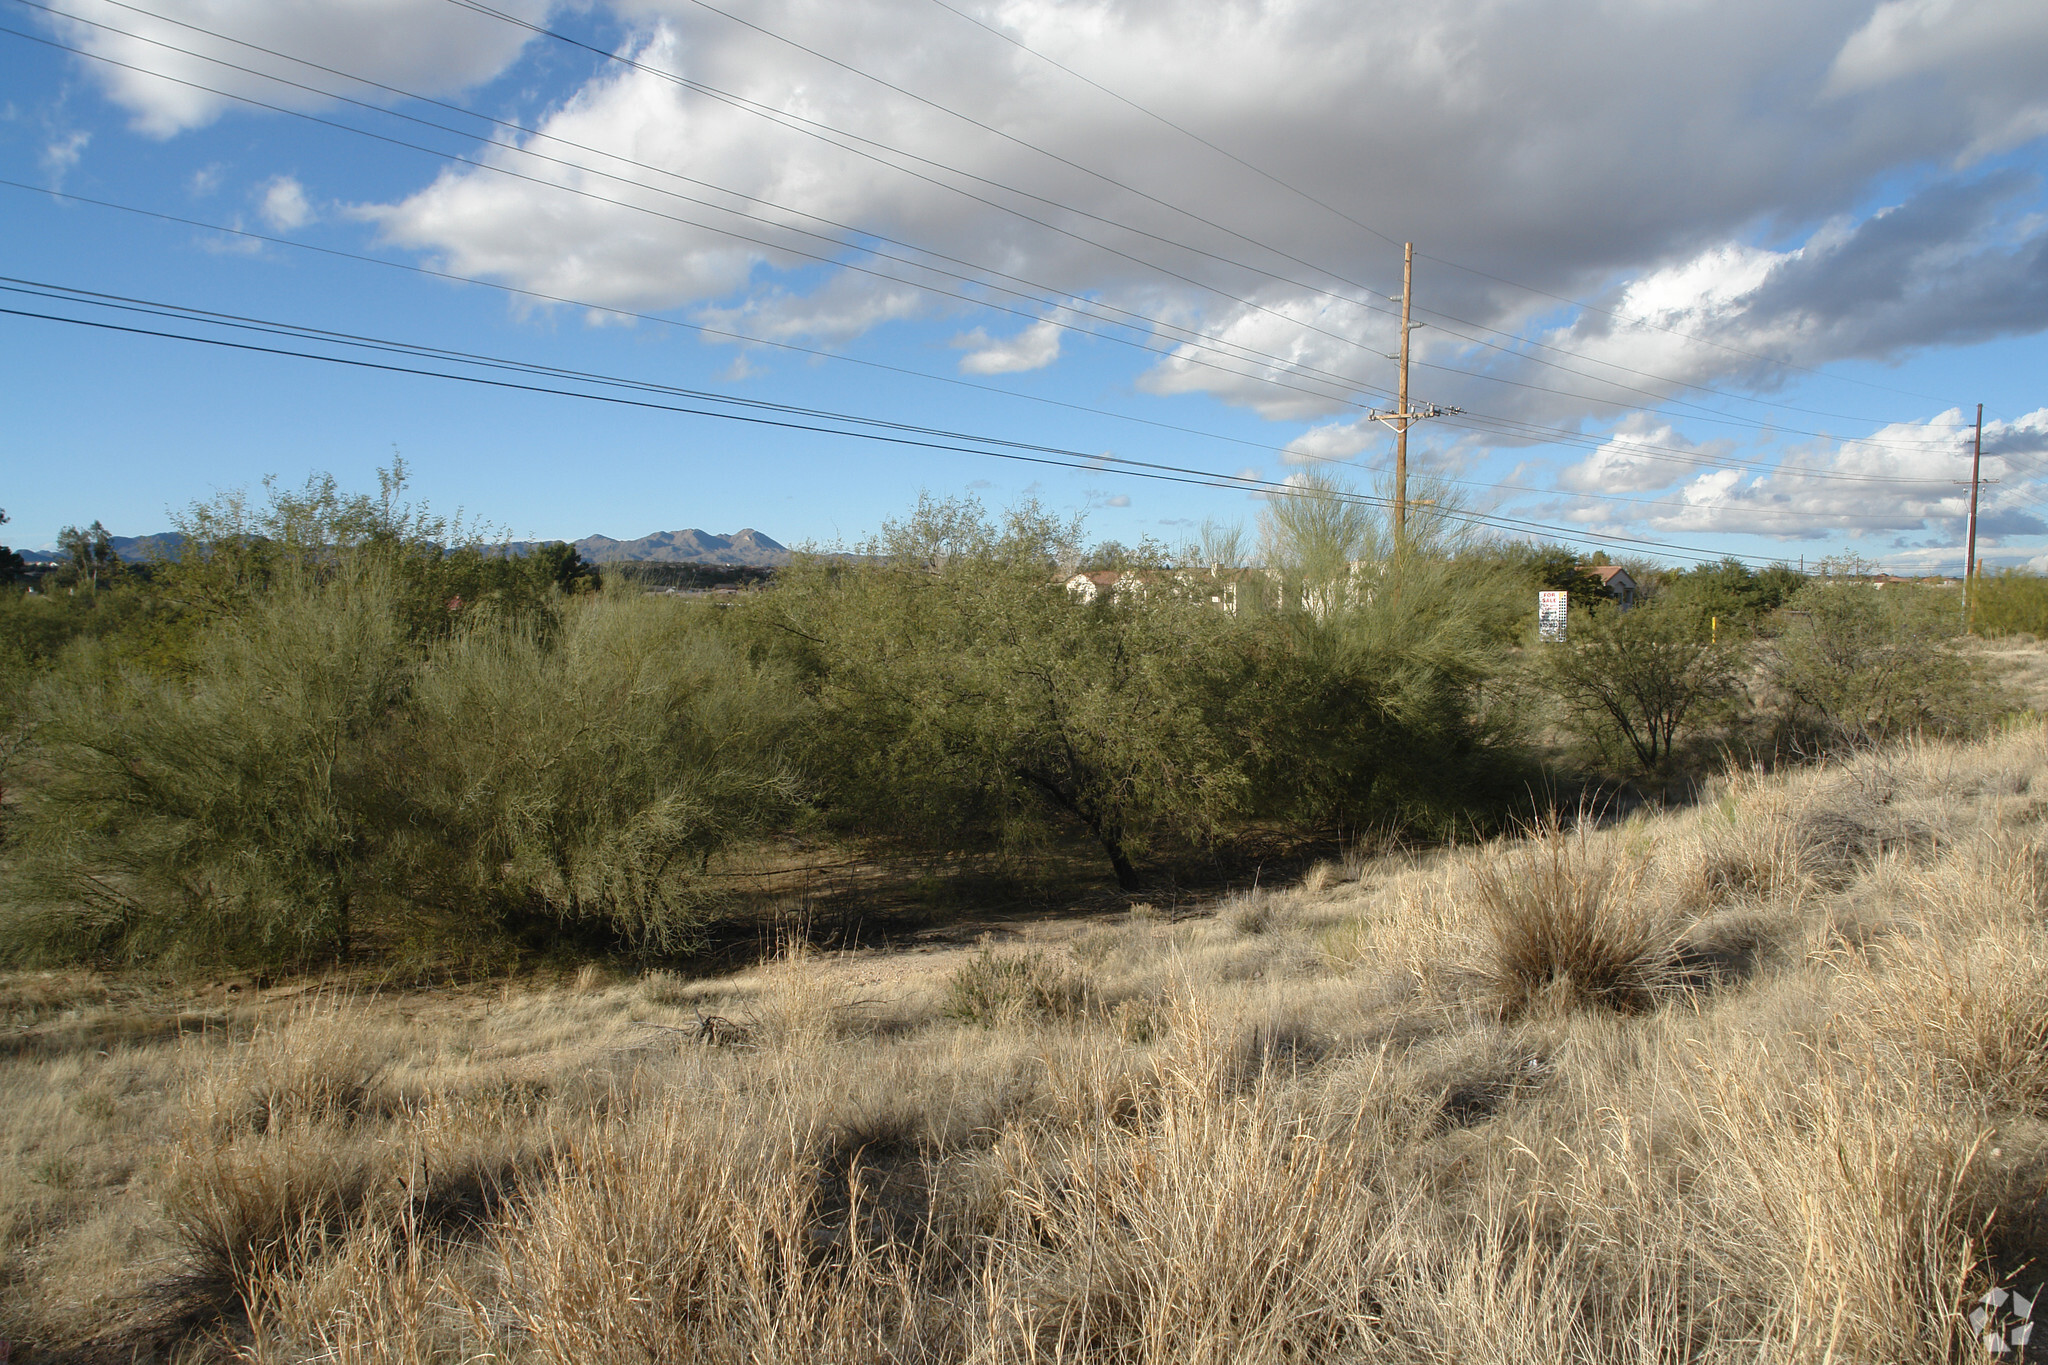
<point>1550,607</point>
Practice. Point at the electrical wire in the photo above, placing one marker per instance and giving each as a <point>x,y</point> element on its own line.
<point>1311,374</point>
<point>811,352</point>
<point>541,29</point>
<point>821,421</point>
<point>1176,354</point>
<point>1297,191</point>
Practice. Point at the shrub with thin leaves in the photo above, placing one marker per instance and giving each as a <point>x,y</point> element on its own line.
<point>989,990</point>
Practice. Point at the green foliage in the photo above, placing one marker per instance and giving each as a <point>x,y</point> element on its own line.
<point>231,551</point>
<point>1559,568</point>
<point>89,557</point>
<point>960,690</point>
<point>1632,681</point>
<point>1741,597</point>
<point>988,990</point>
<point>223,819</point>
<point>318,770</point>
<point>1365,683</point>
<point>562,566</point>
<point>12,565</point>
<point>2013,602</point>
<point>586,779</point>
<point>1861,665</point>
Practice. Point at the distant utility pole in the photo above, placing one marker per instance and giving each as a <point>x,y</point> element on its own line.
<point>1970,554</point>
<point>1404,417</point>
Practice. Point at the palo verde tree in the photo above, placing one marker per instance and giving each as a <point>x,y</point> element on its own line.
<point>959,688</point>
<point>227,814</point>
<point>1369,676</point>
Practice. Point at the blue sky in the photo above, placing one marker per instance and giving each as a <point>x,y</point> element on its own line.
<point>1692,289</point>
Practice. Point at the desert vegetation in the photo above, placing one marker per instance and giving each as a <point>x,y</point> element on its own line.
<point>311,732</point>
<point>1761,1079</point>
<point>411,952</point>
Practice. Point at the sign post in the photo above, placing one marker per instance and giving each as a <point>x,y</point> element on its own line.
<point>1550,616</point>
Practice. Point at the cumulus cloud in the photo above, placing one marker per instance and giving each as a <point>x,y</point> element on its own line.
<point>1640,457</point>
<point>62,152</point>
<point>1034,348</point>
<point>283,204</point>
<point>1716,207</point>
<point>1617,167</point>
<point>1907,477</point>
<point>427,46</point>
<point>1332,441</point>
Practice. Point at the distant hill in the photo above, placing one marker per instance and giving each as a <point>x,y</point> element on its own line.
<point>746,546</point>
<point>128,549</point>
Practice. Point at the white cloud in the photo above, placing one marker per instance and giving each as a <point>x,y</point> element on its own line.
<point>1627,154</point>
<point>284,204</point>
<point>1117,500</point>
<point>1332,441</point>
<point>205,180</point>
<point>1640,457</point>
<point>837,312</point>
<point>62,152</point>
<point>741,369</point>
<point>1034,348</point>
<point>427,46</point>
<point>1907,477</point>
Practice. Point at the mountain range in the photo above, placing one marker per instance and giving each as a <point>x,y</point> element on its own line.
<point>745,546</point>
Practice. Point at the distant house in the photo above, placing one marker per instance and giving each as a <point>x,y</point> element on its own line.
<point>1086,587</point>
<point>1618,584</point>
<point>1218,585</point>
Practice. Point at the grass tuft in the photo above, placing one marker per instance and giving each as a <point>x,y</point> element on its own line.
<point>1569,923</point>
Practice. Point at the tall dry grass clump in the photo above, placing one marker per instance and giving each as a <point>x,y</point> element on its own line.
<point>1570,921</point>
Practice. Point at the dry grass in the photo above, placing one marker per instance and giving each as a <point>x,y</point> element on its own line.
<point>1762,1080</point>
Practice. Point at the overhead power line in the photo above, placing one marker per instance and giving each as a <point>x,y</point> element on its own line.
<point>783,416</point>
<point>1390,240</point>
<point>1189,337</point>
<point>839,358</point>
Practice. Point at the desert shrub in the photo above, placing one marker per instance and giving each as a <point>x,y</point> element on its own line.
<point>586,776</point>
<point>961,691</point>
<point>2013,602</point>
<point>319,767</point>
<point>1360,694</point>
<point>1566,922</point>
<point>1739,596</point>
<point>225,817</point>
<point>1632,682</point>
<point>988,990</point>
<point>1860,666</point>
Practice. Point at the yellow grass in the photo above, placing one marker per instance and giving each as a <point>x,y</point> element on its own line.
<point>1761,1080</point>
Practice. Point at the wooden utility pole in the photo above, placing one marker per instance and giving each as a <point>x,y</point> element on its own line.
<point>1970,554</point>
<point>1403,416</point>
<point>1401,431</point>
